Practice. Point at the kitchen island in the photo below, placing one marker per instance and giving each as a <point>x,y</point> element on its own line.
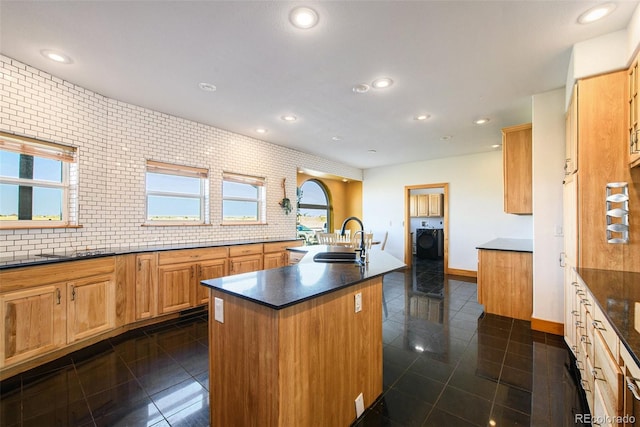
<point>297,345</point>
<point>505,277</point>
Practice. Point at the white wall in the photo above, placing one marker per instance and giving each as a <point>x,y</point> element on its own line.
<point>548,161</point>
<point>114,140</point>
<point>475,203</point>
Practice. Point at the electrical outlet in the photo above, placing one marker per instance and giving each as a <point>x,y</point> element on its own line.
<point>218,309</point>
<point>358,302</point>
<point>359,405</point>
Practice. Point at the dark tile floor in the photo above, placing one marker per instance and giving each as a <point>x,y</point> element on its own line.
<point>445,364</point>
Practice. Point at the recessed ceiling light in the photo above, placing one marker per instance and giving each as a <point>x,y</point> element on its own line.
<point>360,88</point>
<point>372,151</point>
<point>336,138</point>
<point>261,130</point>
<point>56,56</point>
<point>303,18</point>
<point>481,121</point>
<point>446,138</point>
<point>382,83</point>
<point>207,87</point>
<point>289,118</point>
<point>596,13</point>
<point>421,117</point>
<point>495,146</point>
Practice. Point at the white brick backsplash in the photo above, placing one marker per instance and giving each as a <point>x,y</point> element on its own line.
<point>114,140</point>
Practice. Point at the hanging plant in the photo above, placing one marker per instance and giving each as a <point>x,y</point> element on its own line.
<point>285,203</point>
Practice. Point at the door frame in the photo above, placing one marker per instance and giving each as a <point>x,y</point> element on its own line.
<point>408,249</point>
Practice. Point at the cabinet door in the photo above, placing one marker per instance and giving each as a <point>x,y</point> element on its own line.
<point>175,287</point>
<point>275,260</point>
<point>208,270</point>
<point>91,307</point>
<point>517,169</point>
<point>634,112</point>
<point>423,205</point>
<point>245,264</point>
<point>435,204</point>
<point>146,303</point>
<point>571,135</point>
<point>33,323</point>
<point>413,205</point>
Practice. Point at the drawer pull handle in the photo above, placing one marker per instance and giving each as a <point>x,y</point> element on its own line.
<point>58,296</point>
<point>578,324</point>
<point>595,371</point>
<point>585,385</point>
<point>632,386</point>
<point>598,325</point>
<point>574,284</point>
<point>575,313</point>
<point>578,363</point>
<point>585,302</point>
<point>585,339</point>
<point>580,292</point>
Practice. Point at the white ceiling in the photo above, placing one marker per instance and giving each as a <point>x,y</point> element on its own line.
<point>454,60</point>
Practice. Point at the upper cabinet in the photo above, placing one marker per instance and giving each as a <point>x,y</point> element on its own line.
<point>517,169</point>
<point>634,112</point>
<point>421,205</point>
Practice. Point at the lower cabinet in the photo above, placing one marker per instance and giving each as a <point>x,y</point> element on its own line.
<point>92,307</point>
<point>505,283</point>
<point>34,322</point>
<point>276,254</point>
<point>174,287</point>
<point>245,258</point>
<point>208,270</point>
<point>146,286</point>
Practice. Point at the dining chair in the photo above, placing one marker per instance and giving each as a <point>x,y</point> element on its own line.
<point>326,238</point>
<point>384,240</point>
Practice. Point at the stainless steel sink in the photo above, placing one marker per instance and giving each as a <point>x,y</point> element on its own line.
<point>335,257</point>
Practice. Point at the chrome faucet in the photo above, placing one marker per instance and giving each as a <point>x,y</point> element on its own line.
<point>361,231</point>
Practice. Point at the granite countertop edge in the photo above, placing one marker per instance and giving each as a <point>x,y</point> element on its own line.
<point>508,244</point>
<point>106,251</point>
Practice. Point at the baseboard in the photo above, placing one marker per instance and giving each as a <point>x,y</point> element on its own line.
<point>548,326</point>
<point>463,273</point>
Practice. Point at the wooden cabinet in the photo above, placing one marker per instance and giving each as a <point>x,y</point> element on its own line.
<point>426,205</point>
<point>45,308</point>
<point>634,113</point>
<point>517,169</point>
<point>146,286</point>
<point>245,258</point>
<point>631,398</point>
<point>34,322</point>
<point>505,283</point>
<point>180,273</point>
<point>91,307</point>
<point>436,205</point>
<point>571,135</point>
<point>276,253</point>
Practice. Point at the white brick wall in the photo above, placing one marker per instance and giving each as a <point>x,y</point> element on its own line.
<point>114,140</point>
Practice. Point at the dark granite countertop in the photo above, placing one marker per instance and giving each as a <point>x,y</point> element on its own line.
<point>286,286</point>
<point>64,255</point>
<point>617,293</point>
<point>513,245</point>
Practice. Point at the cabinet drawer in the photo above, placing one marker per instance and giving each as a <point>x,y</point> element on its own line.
<point>190,255</point>
<point>280,246</point>
<point>241,250</point>
<point>601,323</point>
<point>608,375</point>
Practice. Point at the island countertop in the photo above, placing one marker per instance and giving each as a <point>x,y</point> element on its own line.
<point>503,244</point>
<point>282,287</point>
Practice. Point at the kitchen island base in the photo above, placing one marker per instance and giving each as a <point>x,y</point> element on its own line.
<point>301,365</point>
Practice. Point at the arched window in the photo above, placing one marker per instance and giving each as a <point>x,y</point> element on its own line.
<point>314,213</point>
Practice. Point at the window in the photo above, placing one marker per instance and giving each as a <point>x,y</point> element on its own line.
<point>176,195</point>
<point>313,213</point>
<point>38,183</point>
<point>243,199</point>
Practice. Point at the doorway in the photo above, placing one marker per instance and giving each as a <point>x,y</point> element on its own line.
<point>430,222</point>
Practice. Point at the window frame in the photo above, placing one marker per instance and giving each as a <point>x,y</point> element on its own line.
<point>260,200</point>
<point>163,168</point>
<point>68,156</point>
<point>328,207</point>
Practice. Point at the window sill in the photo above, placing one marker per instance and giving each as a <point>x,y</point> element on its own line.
<point>243,223</point>
<point>174,224</point>
<point>34,226</point>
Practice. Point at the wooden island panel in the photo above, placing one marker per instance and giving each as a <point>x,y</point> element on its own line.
<point>301,365</point>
